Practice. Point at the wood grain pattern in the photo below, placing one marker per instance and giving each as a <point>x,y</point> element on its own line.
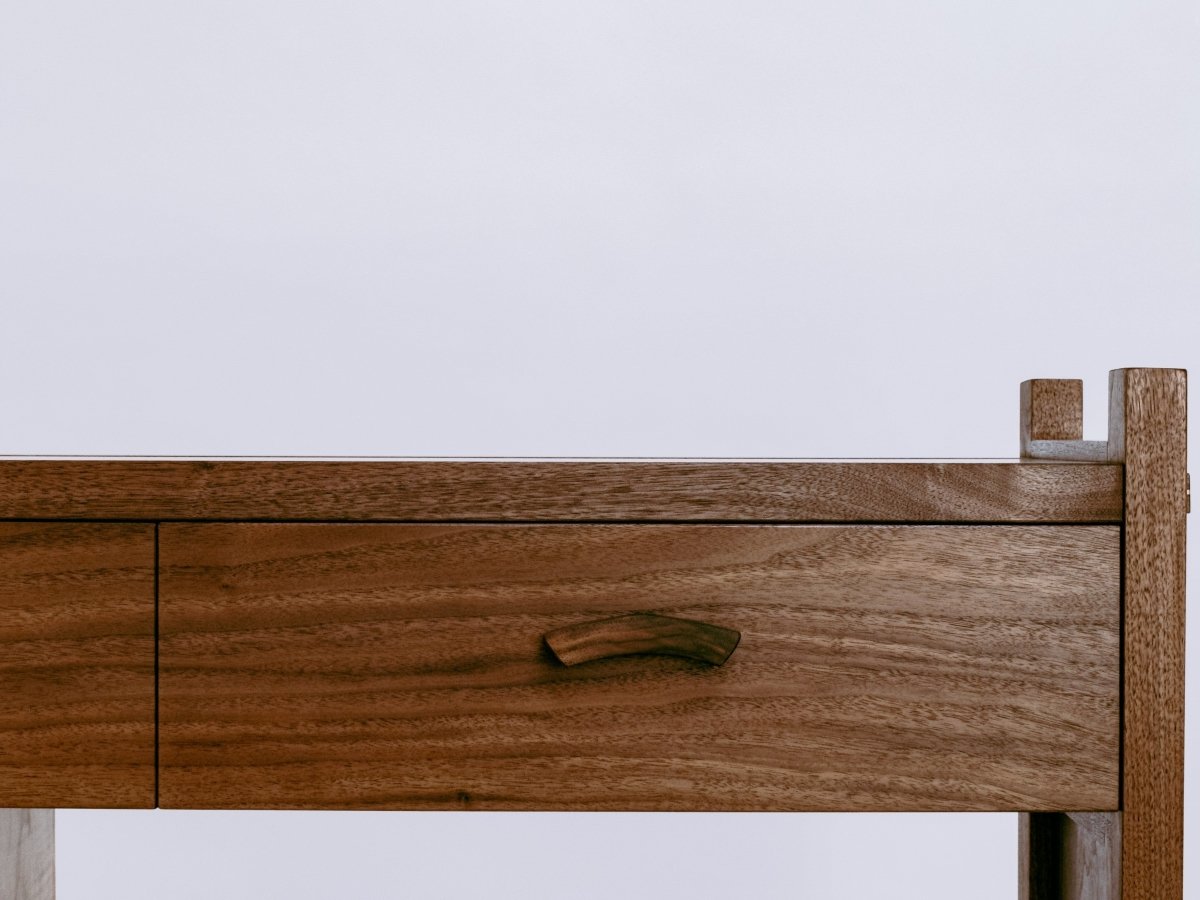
<point>1064,855</point>
<point>403,667</point>
<point>1052,422</point>
<point>638,633</point>
<point>1093,841</point>
<point>479,490</point>
<point>27,854</point>
<point>76,665</point>
<point>1051,410</point>
<point>1148,432</point>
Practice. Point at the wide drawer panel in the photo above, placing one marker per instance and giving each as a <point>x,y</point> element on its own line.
<point>76,665</point>
<point>404,667</point>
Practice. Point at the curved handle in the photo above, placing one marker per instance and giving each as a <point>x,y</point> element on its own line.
<point>642,633</point>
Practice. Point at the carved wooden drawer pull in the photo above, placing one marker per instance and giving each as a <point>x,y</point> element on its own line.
<point>642,633</point>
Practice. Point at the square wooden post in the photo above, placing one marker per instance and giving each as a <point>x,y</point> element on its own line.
<point>1136,853</point>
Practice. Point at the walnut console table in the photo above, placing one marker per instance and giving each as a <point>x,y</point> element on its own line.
<point>616,635</point>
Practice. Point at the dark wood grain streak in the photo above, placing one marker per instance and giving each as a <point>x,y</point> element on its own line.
<point>479,490</point>
<point>76,665</point>
<point>403,667</point>
<point>1148,432</point>
<point>585,642</point>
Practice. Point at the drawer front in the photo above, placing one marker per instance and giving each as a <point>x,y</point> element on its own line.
<point>76,665</point>
<point>405,667</point>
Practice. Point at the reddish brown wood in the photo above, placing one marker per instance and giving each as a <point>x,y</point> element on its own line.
<point>584,642</point>
<point>1148,432</point>
<point>546,490</point>
<point>403,666</point>
<point>76,665</point>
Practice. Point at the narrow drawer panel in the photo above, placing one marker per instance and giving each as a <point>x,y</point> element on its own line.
<point>405,667</point>
<point>76,665</point>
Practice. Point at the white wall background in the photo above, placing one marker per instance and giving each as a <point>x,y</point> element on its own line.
<point>597,228</point>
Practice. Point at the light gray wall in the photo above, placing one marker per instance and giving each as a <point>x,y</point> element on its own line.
<point>590,228</point>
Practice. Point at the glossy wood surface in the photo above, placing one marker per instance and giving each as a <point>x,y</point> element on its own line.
<point>403,667</point>
<point>512,490</point>
<point>76,665</point>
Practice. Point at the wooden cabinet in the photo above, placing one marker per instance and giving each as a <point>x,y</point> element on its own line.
<point>404,667</point>
<point>77,686</point>
<point>393,634</point>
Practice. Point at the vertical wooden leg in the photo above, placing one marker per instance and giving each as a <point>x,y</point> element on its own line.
<point>27,854</point>
<point>1070,856</point>
<point>1064,856</point>
<point>1147,422</point>
<point>1137,853</point>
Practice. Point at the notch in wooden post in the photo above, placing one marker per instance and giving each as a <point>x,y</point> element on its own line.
<point>1135,853</point>
<point>1052,422</point>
